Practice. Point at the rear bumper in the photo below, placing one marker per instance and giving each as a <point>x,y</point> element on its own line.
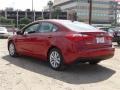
<point>88,55</point>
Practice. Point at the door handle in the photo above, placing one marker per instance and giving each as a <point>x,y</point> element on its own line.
<point>50,36</point>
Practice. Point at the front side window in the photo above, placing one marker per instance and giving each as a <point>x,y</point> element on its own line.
<point>31,29</point>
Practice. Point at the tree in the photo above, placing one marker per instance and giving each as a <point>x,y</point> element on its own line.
<point>80,20</point>
<point>56,13</point>
<point>72,15</point>
<point>25,20</point>
<point>3,20</point>
<point>39,18</point>
<point>50,5</point>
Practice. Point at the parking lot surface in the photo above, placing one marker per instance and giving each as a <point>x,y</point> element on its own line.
<point>24,73</point>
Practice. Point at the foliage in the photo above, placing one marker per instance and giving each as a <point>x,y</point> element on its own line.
<point>40,18</point>
<point>50,3</point>
<point>25,20</point>
<point>72,15</point>
<point>115,24</point>
<point>21,26</point>
<point>80,20</point>
<point>3,20</point>
<point>56,12</point>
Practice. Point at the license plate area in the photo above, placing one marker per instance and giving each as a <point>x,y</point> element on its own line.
<point>100,40</point>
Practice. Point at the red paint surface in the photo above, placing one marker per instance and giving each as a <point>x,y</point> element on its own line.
<point>71,45</point>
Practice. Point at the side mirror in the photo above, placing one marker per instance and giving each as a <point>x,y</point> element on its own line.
<point>19,32</point>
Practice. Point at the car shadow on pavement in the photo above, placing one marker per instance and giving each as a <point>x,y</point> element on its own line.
<point>75,74</point>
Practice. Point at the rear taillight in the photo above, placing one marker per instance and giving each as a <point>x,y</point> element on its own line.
<point>109,37</point>
<point>77,37</point>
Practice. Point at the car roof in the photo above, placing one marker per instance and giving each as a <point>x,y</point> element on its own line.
<point>54,21</point>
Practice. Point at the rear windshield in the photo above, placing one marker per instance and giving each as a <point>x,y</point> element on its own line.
<point>78,26</point>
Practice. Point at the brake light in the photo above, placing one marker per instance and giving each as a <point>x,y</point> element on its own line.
<point>109,38</point>
<point>76,37</point>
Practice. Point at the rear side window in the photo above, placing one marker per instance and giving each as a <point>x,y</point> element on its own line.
<point>47,27</point>
<point>78,26</point>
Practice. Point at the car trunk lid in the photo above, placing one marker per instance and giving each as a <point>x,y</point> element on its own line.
<point>95,40</point>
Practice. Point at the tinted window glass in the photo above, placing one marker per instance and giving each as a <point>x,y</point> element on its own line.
<point>77,26</point>
<point>55,28</point>
<point>47,27</point>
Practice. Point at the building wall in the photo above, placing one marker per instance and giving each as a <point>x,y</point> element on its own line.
<point>56,2</point>
<point>29,14</point>
<point>103,11</point>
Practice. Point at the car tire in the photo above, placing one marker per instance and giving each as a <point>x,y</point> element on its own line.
<point>12,50</point>
<point>94,62</point>
<point>56,60</point>
<point>118,43</point>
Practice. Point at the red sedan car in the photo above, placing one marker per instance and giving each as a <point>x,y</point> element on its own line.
<point>62,42</point>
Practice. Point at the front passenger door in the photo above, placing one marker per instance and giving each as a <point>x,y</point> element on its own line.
<point>25,42</point>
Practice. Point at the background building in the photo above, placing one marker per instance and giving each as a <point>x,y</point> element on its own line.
<point>18,14</point>
<point>103,10</point>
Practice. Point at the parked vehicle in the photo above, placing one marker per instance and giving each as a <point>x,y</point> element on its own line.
<point>3,32</point>
<point>110,31</point>
<point>115,32</point>
<point>62,42</point>
<point>117,36</point>
<point>12,31</point>
<point>104,28</point>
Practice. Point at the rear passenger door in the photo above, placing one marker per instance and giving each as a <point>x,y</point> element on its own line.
<point>45,38</point>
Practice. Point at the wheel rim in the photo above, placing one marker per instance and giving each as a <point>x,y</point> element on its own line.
<point>55,59</point>
<point>11,49</point>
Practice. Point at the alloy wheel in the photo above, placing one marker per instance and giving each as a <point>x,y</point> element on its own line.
<point>11,49</point>
<point>55,59</point>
